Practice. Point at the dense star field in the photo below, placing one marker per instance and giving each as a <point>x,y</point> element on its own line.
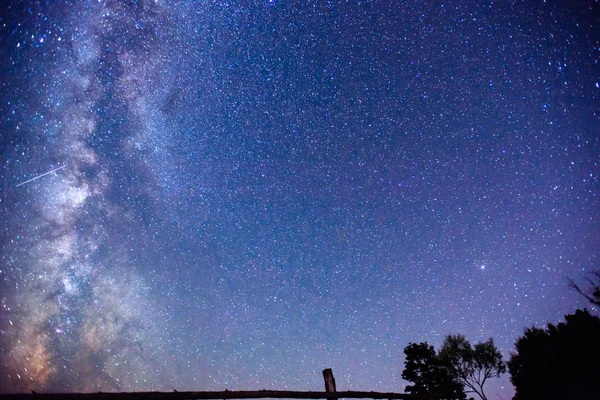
<point>250,192</point>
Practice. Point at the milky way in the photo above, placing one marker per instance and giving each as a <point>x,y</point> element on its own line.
<point>243,194</point>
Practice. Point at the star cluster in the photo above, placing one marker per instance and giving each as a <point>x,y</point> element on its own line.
<point>250,192</point>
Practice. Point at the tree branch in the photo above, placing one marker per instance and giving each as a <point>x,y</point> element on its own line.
<point>589,298</point>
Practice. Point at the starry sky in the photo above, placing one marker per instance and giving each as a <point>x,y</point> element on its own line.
<point>246,193</point>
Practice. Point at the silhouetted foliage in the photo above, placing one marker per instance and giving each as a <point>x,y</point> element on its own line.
<point>423,367</point>
<point>472,366</point>
<point>558,362</point>
<point>593,296</point>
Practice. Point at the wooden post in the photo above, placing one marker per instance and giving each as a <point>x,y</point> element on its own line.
<point>329,380</point>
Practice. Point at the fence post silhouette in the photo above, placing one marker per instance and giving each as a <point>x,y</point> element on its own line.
<point>329,380</point>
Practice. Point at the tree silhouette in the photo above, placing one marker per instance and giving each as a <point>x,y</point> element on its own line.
<point>423,367</point>
<point>472,366</point>
<point>558,362</point>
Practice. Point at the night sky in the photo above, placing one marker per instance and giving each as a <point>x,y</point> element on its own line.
<point>250,192</point>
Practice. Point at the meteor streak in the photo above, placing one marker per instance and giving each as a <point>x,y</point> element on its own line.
<point>39,176</point>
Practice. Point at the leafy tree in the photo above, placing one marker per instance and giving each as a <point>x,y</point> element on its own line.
<point>558,362</point>
<point>472,366</point>
<point>423,367</point>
